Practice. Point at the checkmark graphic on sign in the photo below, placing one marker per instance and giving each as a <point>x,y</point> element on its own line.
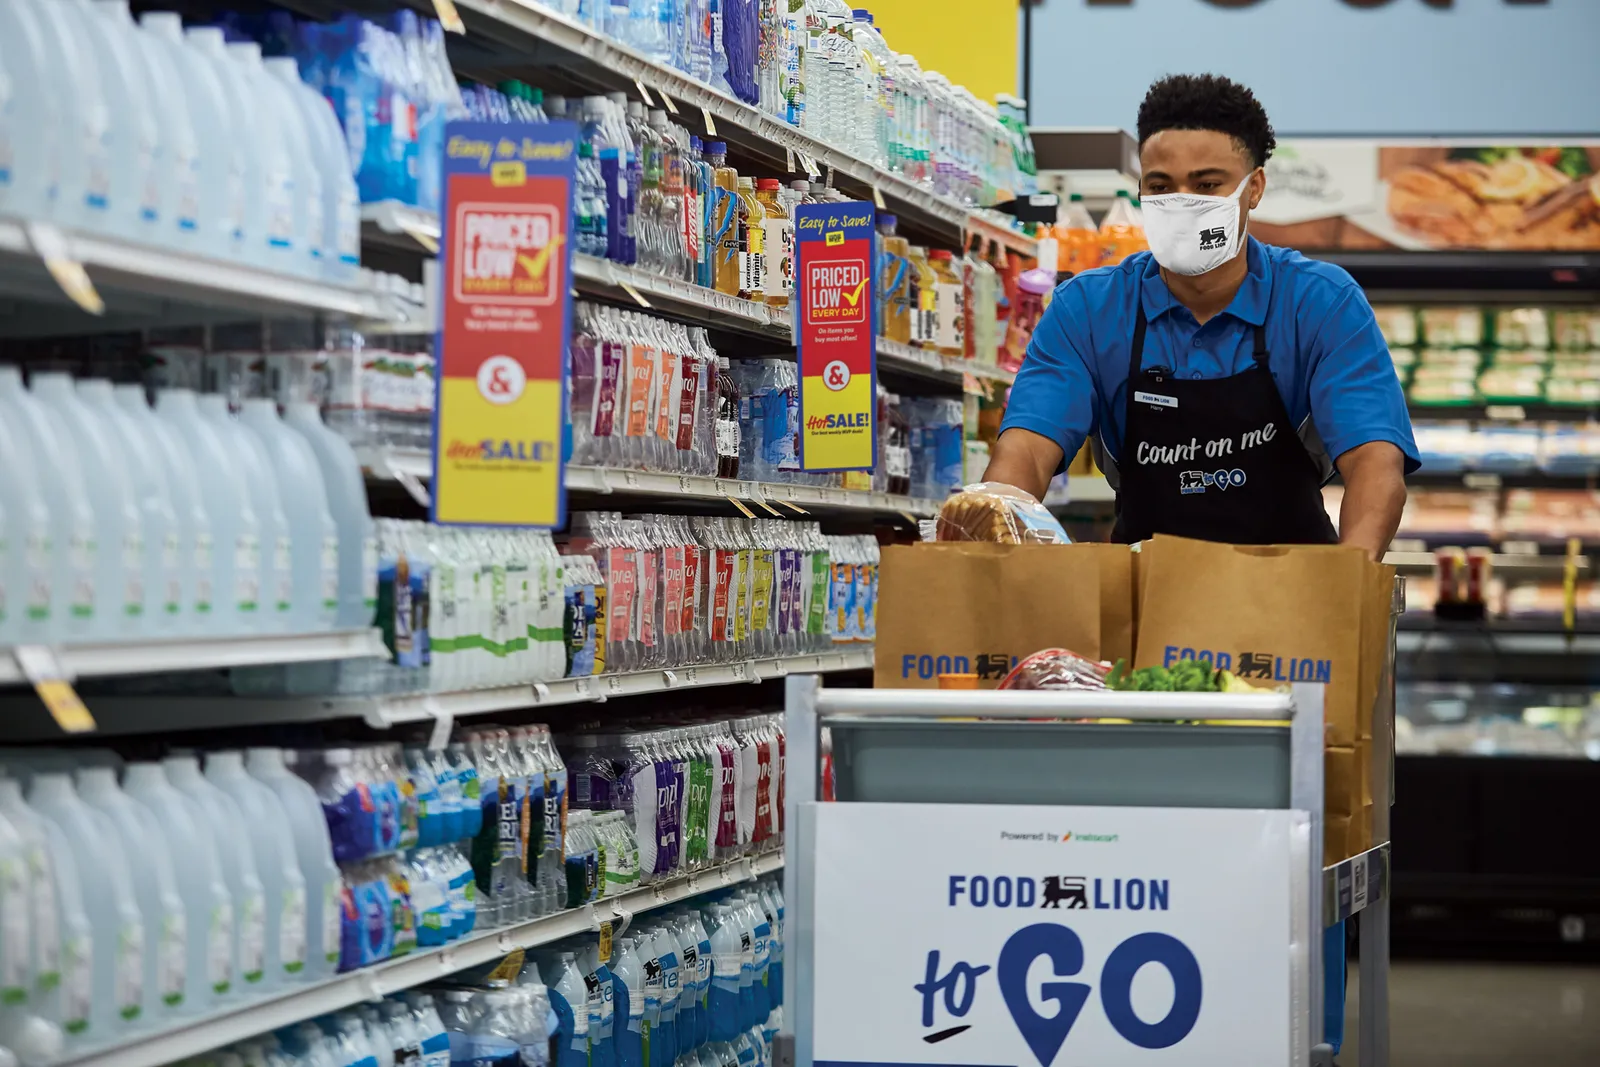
<point>537,263</point>
<point>854,296</point>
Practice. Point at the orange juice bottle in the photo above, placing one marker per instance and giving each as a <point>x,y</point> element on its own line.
<point>1120,233</point>
<point>924,299</point>
<point>724,214</point>
<point>895,278</point>
<point>1078,238</point>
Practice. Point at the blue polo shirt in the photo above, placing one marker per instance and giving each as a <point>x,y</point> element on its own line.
<point>1327,355</point>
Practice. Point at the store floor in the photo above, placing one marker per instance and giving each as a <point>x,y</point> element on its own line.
<point>1489,1015</point>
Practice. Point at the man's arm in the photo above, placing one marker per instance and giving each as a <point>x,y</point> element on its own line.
<point>1374,496</point>
<point>1024,459</point>
<point>1051,408</point>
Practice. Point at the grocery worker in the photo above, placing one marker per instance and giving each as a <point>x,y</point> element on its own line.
<point>1222,380</point>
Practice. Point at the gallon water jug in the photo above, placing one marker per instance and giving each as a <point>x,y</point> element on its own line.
<point>237,858</point>
<point>313,535</point>
<point>117,955</point>
<point>276,861</point>
<point>314,850</point>
<point>235,565</point>
<point>161,562</point>
<point>207,905</point>
<point>260,484</point>
<point>155,887</point>
<point>119,560</point>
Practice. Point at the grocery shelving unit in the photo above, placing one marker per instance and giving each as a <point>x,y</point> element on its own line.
<point>248,1018</point>
<point>143,288</point>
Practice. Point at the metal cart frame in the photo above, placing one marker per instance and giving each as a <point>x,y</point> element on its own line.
<point>896,745</point>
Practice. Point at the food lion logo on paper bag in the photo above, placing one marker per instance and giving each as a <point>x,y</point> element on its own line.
<point>1259,665</point>
<point>509,251</point>
<point>836,291</point>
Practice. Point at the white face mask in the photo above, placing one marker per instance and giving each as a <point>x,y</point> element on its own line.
<point>1191,234</point>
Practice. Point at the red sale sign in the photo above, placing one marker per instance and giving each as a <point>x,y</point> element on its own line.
<point>838,337</point>
<point>507,302</point>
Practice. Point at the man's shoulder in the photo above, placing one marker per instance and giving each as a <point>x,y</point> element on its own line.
<point>1310,279</point>
<point>1105,281</point>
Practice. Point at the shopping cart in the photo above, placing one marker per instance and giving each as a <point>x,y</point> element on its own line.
<point>926,906</point>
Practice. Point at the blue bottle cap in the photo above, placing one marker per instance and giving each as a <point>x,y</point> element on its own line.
<point>888,220</point>
<point>718,148</point>
<point>861,14</point>
<point>695,143</point>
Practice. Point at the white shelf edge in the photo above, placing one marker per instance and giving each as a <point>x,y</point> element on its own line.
<point>202,653</point>
<point>540,22</point>
<point>237,1023</point>
<point>206,278</point>
<point>415,463</point>
<point>423,707</point>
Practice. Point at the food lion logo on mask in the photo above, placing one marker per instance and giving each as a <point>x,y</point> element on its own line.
<point>1215,237</point>
<point>1190,482</point>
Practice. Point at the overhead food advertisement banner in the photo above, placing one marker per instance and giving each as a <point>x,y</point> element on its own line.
<point>507,303</point>
<point>1058,936</point>
<point>835,283</point>
<point>1422,196</point>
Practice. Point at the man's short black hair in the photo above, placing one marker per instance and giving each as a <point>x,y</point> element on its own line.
<point>1208,102</point>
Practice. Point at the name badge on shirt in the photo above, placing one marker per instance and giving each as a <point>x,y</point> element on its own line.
<point>1155,398</point>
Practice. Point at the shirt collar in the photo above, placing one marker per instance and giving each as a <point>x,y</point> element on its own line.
<point>1249,303</point>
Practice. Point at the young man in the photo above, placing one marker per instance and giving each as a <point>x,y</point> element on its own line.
<point>1222,379</point>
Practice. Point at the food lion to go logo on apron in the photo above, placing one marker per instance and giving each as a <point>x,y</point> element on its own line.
<point>509,254</point>
<point>1190,482</point>
<point>836,291</point>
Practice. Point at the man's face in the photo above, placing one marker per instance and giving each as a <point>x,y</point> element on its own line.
<point>1199,161</point>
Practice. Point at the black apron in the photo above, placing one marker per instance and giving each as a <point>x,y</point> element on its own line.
<point>1215,459</point>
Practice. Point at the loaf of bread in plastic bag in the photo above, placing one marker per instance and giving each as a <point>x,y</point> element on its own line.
<point>999,513</point>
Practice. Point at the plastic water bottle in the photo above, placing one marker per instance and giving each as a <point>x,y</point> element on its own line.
<point>119,561</point>
<point>134,209</point>
<point>108,895</point>
<point>207,905</point>
<point>274,603</point>
<point>38,120</point>
<point>155,887</point>
<point>161,563</point>
<point>83,195</point>
<point>63,936</point>
<point>277,863</point>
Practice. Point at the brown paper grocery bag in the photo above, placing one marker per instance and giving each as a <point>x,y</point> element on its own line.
<point>1280,614</point>
<point>1116,599</point>
<point>1269,613</point>
<point>977,608</point>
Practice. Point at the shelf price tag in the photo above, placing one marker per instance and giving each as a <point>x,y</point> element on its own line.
<point>877,199</point>
<point>644,92</point>
<point>44,672</point>
<point>444,721</point>
<point>449,17</point>
<point>638,297</point>
<point>508,968</point>
<point>746,512</point>
<point>667,100</point>
<point>428,241</point>
<point>809,164</point>
<point>50,246</point>
<point>711,123</point>
<point>605,939</point>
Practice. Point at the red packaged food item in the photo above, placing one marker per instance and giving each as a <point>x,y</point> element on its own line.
<point>1057,668</point>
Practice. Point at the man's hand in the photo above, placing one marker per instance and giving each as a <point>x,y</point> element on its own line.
<point>1024,459</point>
<point>1374,496</point>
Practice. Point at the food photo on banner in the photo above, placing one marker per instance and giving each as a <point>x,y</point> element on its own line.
<point>507,308</point>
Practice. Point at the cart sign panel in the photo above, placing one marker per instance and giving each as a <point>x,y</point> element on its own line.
<point>836,286</point>
<point>1052,936</point>
<point>502,379</point>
